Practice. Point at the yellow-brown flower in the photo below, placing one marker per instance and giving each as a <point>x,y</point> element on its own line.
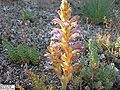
<point>65,11</point>
<point>61,51</point>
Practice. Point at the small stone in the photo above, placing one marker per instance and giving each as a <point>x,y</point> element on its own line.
<point>102,56</point>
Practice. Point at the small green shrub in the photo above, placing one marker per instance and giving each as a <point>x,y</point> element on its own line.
<point>27,15</point>
<point>39,81</point>
<point>22,53</point>
<point>96,10</point>
<point>98,75</point>
<point>100,78</point>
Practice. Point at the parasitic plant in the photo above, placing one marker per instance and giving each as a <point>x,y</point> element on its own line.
<point>63,49</point>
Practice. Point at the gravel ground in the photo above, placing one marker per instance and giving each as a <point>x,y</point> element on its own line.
<point>17,31</point>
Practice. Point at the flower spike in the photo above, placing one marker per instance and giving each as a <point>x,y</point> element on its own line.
<point>62,49</point>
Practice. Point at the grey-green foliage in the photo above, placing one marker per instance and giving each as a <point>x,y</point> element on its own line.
<point>93,49</point>
<point>27,15</point>
<point>22,53</point>
<point>96,10</point>
<point>100,76</point>
<point>106,74</point>
<point>103,76</point>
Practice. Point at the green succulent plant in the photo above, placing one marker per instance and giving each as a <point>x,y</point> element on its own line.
<point>22,53</point>
<point>98,75</point>
<point>27,15</point>
<point>93,49</point>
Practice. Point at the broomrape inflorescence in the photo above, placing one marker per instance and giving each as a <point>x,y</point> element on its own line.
<point>63,48</point>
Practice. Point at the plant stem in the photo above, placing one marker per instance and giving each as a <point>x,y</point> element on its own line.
<point>64,85</point>
<point>92,77</point>
<point>80,84</point>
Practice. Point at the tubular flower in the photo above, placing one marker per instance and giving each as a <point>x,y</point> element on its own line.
<point>63,48</point>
